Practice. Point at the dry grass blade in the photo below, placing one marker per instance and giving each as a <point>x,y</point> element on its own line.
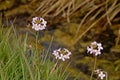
<point>79,5</point>
<point>50,9</point>
<point>87,15</point>
<point>116,11</point>
<point>93,24</point>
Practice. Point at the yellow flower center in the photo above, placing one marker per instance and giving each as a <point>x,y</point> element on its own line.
<point>38,21</point>
<point>94,46</point>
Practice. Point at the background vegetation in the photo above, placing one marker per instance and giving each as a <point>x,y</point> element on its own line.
<point>73,24</point>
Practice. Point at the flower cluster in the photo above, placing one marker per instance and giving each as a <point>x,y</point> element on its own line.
<point>38,23</point>
<point>62,54</point>
<point>95,48</point>
<point>101,74</point>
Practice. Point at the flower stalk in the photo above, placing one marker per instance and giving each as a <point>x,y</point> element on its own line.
<point>54,66</point>
<point>95,60</point>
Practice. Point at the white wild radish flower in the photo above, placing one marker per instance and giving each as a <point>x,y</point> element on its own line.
<point>62,54</point>
<point>38,23</point>
<point>101,75</point>
<point>99,46</point>
<point>95,48</point>
<point>97,71</point>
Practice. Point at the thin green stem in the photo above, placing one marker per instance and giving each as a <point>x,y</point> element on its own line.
<point>95,59</point>
<point>36,41</point>
<point>106,75</point>
<point>54,66</point>
<point>25,59</point>
<point>47,51</point>
<point>28,66</point>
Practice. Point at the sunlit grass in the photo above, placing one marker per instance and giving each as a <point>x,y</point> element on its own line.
<point>19,61</point>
